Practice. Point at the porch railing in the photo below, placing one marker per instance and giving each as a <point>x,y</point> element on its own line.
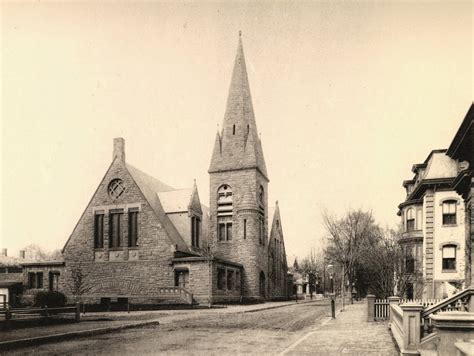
<point>411,323</point>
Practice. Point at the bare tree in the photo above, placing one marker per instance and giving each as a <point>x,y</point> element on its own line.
<point>37,253</point>
<point>78,284</point>
<point>347,237</point>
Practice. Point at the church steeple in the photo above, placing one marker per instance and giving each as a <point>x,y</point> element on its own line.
<point>238,145</point>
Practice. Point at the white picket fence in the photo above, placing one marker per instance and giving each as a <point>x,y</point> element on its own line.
<point>382,309</point>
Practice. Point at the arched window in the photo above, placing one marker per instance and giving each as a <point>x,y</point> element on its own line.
<point>224,213</point>
<point>449,212</point>
<point>224,194</point>
<point>224,200</point>
<point>410,220</point>
<point>449,257</point>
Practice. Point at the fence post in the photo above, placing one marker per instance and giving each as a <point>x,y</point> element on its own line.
<point>46,314</point>
<point>370,307</point>
<point>470,306</point>
<point>8,317</point>
<point>392,301</point>
<point>78,311</point>
<point>411,327</point>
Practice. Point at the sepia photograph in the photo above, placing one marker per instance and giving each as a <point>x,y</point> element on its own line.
<point>237,177</point>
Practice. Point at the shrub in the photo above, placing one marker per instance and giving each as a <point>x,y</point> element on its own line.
<point>52,299</point>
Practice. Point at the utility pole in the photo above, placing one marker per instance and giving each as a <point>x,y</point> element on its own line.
<point>343,289</point>
<point>333,295</point>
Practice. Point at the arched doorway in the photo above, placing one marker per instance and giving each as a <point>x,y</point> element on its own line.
<point>262,284</point>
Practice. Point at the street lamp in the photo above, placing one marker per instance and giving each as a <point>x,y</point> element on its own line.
<point>330,269</point>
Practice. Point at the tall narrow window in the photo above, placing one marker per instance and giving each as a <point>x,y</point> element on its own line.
<point>248,128</point>
<point>261,195</point>
<point>233,130</point>
<point>419,219</point>
<point>195,231</point>
<point>230,280</point>
<point>261,232</point>
<point>114,229</point>
<point>449,257</point>
<point>449,212</point>
<point>220,278</point>
<point>245,228</point>
<point>221,232</point>
<point>198,231</point>
<point>53,281</point>
<point>229,231</point>
<point>224,200</point>
<point>99,230</point>
<point>132,228</point>
<point>409,259</point>
<point>410,220</point>
<point>31,280</point>
<point>39,280</point>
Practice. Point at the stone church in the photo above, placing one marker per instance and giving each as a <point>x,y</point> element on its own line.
<point>142,241</point>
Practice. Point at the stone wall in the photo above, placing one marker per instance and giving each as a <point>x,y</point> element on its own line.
<point>121,271</point>
<point>248,252</point>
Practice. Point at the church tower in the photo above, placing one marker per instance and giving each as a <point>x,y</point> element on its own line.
<point>239,186</point>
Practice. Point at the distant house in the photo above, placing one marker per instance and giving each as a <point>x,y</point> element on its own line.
<point>11,278</point>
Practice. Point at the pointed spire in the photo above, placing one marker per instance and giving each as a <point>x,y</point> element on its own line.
<point>276,217</point>
<point>195,202</point>
<point>239,143</point>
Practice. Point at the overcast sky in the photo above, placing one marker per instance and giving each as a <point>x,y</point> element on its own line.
<point>347,96</point>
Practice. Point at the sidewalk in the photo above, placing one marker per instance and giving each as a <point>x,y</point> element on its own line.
<point>349,334</point>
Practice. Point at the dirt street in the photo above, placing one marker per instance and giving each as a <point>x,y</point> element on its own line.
<point>262,332</point>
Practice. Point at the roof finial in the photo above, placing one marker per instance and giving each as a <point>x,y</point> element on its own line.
<point>240,34</point>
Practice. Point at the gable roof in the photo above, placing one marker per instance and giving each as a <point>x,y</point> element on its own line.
<point>150,187</point>
<point>147,180</point>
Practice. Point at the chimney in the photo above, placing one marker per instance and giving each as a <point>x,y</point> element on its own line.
<point>119,149</point>
<point>4,252</point>
<point>22,254</point>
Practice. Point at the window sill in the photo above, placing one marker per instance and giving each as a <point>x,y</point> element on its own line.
<point>449,225</point>
<point>449,271</point>
<point>226,241</point>
<point>115,248</point>
<point>133,248</point>
<point>99,249</point>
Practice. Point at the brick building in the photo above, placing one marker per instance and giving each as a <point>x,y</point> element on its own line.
<point>142,241</point>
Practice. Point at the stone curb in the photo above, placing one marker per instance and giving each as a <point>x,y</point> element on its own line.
<point>39,340</point>
<point>280,306</point>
